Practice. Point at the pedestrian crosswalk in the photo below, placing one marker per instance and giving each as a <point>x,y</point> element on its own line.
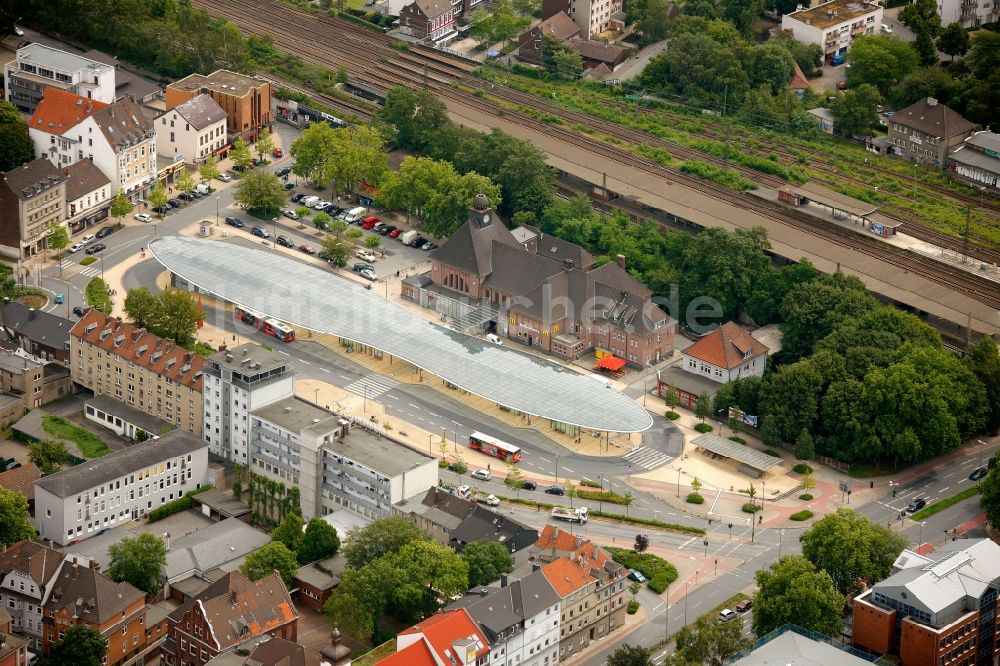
<point>88,271</point>
<point>647,458</point>
<point>371,385</point>
<point>91,271</point>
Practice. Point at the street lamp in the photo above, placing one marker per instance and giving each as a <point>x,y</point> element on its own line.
<point>274,226</point>
<point>430,440</point>
<point>316,400</point>
<point>678,481</point>
<point>781,534</point>
<point>920,539</point>
<point>557,468</point>
<point>217,210</point>
<point>455,433</point>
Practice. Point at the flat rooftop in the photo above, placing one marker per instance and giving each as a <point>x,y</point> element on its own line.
<point>381,453</point>
<point>222,80</point>
<point>59,59</point>
<point>299,416</point>
<point>317,300</point>
<point>833,13</point>
<point>239,359</point>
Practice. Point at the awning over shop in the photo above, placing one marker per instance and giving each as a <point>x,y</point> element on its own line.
<point>612,363</point>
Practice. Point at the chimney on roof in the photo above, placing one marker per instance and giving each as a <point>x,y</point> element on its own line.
<point>620,260</point>
<point>31,313</point>
<point>931,102</point>
<point>568,264</point>
<point>483,592</point>
<point>76,569</point>
<point>232,597</point>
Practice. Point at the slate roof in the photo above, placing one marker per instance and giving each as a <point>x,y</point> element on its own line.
<point>559,25</point>
<point>76,479</point>
<point>280,652</point>
<point>211,547</point>
<point>33,178</point>
<point>485,525</point>
<point>556,248</point>
<point>90,595</point>
<point>123,123</point>
<point>433,8</point>
<point>32,558</point>
<point>141,347</point>
<point>503,607</point>
<point>201,111</point>
<point>21,480</point>
<point>600,51</point>
<point>42,327</point>
<point>470,248</point>
<point>451,509</point>
<point>82,178</point>
<point>932,117</point>
<point>60,111</point>
<point>725,347</point>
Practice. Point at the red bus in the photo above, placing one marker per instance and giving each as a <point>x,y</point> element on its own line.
<point>492,446</point>
<point>248,316</point>
<point>283,332</point>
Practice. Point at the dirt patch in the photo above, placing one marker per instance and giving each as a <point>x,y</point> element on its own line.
<point>33,300</point>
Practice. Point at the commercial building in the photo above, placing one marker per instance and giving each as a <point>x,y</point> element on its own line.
<point>336,463</point>
<point>834,25</point>
<point>926,131</point>
<point>969,13</point>
<point>111,357</point>
<point>85,499</point>
<point>230,612</point>
<point>541,291</point>
<point>977,161</point>
<point>82,596</point>
<point>592,16</point>
<point>520,619</point>
<point>193,130</point>
<point>38,68</point>
<point>245,99</point>
<point>88,195</point>
<point>937,608</point>
<point>726,354</point>
<point>196,560</point>
<point>27,570</point>
<point>32,199</point>
<point>238,381</point>
<point>791,644</point>
<point>447,638</point>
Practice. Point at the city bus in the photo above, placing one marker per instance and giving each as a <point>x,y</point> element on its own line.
<point>283,332</point>
<point>492,446</point>
<point>248,316</point>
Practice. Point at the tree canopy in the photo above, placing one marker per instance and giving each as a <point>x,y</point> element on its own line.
<point>83,645</point>
<point>172,314</point>
<point>289,532</point>
<point>381,537</point>
<point>414,118</point>
<point>791,590</point>
<point>319,541</point>
<point>486,560</point>
<point>343,157</point>
<point>708,643</point>
<point>989,492</point>
<point>271,557</point>
<point>880,60</point>
<point>48,455</point>
<point>15,522</point>
<point>16,147</point>
<point>630,655</point>
<point>260,190</point>
<point>140,561</point>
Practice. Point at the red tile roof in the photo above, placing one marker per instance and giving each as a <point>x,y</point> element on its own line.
<point>799,80</point>
<point>561,539</point>
<point>414,654</point>
<point>60,111</point>
<point>141,347</point>
<point>566,576</point>
<point>443,629</point>
<point>725,347</point>
<point>21,480</point>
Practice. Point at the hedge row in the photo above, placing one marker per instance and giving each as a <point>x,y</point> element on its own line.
<point>176,506</point>
<point>96,292</point>
<point>657,570</point>
<point>598,496</point>
<point>687,529</point>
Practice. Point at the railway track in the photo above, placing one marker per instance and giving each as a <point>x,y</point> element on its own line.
<point>331,41</point>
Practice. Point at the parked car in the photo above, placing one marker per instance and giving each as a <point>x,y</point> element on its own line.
<point>234,222</point>
<point>916,505</point>
<point>297,197</point>
<point>277,152</point>
<point>463,491</point>
<point>482,475</point>
<point>332,210</point>
<point>379,226</point>
<point>636,576</point>
<point>96,247</point>
<point>493,500</point>
<point>727,615</point>
<point>78,311</point>
<point>368,274</point>
<point>260,231</point>
<point>290,214</point>
<point>225,177</point>
<point>76,247</point>
<point>395,233</point>
<point>887,29</point>
<point>284,241</point>
<point>255,161</point>
<point>143,217</point>
<point>308,249</point>
<point>744,606</point>
<point>283,171</point>
<point>555,490</point>
<point>386,230</point>
<point>364,254</point>
<point>529,485</point>
<point>176,203</point>
<point>105,232</point>
<point>186,196</point>
<point>362,266</point>
<point>320,205</point>
<point>369,222</point>
<point>978,474</point>
<point>417,241</point>
<point>429,245</point>
<point>162,210</point>
<point>289,186</point>
<point>89,238</point>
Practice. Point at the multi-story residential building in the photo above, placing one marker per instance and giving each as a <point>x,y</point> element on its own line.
<point>38,68</point>
<point>977,161</point>
<point>726,354</point>
<point>592,588</point>
<point>193,130</point>
<point>111,357</point>
<point>81,595</point>
<point>33,381</point>
<point>335,463</point>
<point>43,335</point>
<point>238,381</point>
<point>458,9</point>
<point>13,649</point>
<point>937,608</point>
<point>970,13</point>
<point>230,612</point>
<point>447,638</point>
<point>541,291</point>
<point>926,131</point>
<point>245,99</point>
<point>27,572</point>
<point>55,126</point>
<point>432,20</point>
<point>268,651</point>
<point>81,501</point>
<point>32,199</point>
<point>88,195</point>
<point>520,619</point>
<point>592,16</point>
<point>834,25</point>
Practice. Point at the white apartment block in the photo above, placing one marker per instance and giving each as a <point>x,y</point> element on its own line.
<point>238,381</point>
<point>593,16</point>
<point>970,13</point>
<point>193,130</point>
<point>37,67</point>
<point>336,464</point>
<point>834,25</point>
<point>83,500</point>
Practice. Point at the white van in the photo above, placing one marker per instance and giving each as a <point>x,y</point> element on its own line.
<point>354,215</point>
<point>201,188</point>
<point>309,201</point>
<point>407,237</point>
<point>494,338</point>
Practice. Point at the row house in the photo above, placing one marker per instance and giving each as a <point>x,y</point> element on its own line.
<point>38,68</point>
<point>32,199</point>
<point>431,20</point>
<point>13,649</point>
<point>192,131</point>
<point>88,195</point>
<point>27,572</point>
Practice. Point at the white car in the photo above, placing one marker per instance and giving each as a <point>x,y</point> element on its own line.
<point>225,177</point>
<point>18,31</point>
<point>368,274</point>
<point>321,204</point>
<point>887,29</point>
<point>493,500</point>
<point>364,255</point>
<point>463,491</point>
<point>89,238</point>
<point>482,475</point>
<point>143,217</point>
<point>76,247</point>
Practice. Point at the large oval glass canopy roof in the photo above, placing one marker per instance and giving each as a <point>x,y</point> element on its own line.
<point>314,299</point>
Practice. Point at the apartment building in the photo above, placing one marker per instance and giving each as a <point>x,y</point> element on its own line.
<point>520,619</point>
<point>447,638</point>
<point>81,595</point>
<point>834,25</point>
<point>193,130</point>
<point>970,13</point>
<point>927,131</point>
<point>82,501</point>
<point>55,127</point>
<point>238,381</point>
<point>336,463</point>
<point>27,571</point>
<point>13,649</point>
<point>144,371</point>
<point>88,195</point>
<point>938,608</point>
<point>593,17</point>
<point>245,99</point>
<point>32,199</point>
<point>592,588</point>
<point>38,68</point>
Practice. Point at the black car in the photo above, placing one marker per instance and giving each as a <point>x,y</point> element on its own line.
<point>297,197</point>
<point>288,186</point>
<point>386,230</point>
<point>361,266</point>
<point>162,210</point>
<point>284,242</point>
<point>978,474</point>
<point>260,231</point>
<point>186,196</point>
<point>234,222</point>
<point>176,203</point>
<point>916,505</point>
<point>555,490</point>
<point>418,241</point>
<point>283,171</point>
<point>78,311</point>
<point>105,232</point>
<point>96,247</point>
<point>528,484</point>
<point>256,161</point>
<point>332,210</point>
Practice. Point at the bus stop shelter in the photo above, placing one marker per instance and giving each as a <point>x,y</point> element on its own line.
<point>751,462</point>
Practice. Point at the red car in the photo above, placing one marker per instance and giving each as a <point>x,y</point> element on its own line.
<point>307,249</point>
<point>278,152</point>
<point>395,232</point>
<point>369,222</point>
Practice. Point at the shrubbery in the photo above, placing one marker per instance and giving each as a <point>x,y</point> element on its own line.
<point>695,498</point>
<point>180,504</point>
<point>802,468</point>
<point>801,515</point>
<point>703,427</point>
<point>750,508</point>
<point>657,570</point>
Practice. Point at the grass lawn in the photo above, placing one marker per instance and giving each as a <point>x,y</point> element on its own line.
<point>929,511</point>
<point>90,445</point>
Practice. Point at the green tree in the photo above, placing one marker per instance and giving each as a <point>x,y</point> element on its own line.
<point>16,147</point>
<point>158,196</point>
<point>209,171</point>
<point>921,15</point>
<point>811,311</point>
<point>121,207</point>
<point>81,646</point>
<point>321,220</point>
<point>560,59</point>
<point>789,401</point>
<point>500,24</point>
<point>808,56</point>
<point>634,589</point>
<point>724,266</point>
<point>856,111</point>
<point>57,237</point>
<point>265,143</point>
<point>989,495</point>
<point>514,479</point>
<point>486,560</point>
<point>240,154</point>
<point>808,482</point>
<point>804,448</point>
<point>342,76</point>
<point>772,66</point>
<point>880,61</point>
<point>654,22</point>
<point>742,13</point>
<point>143,308</point>
<point>928,82</point>
<point>792,591</point>
<point>414,118</point>
<point>695,484</point>
<point>338,228</point>
<point>983,360</point>
<point>769,291</point>
<point>48,455</point>
<point>354,235</point>
<point>319,542</point>
<point>260,190</point>
<point>630,655</point>
<point>381,537</point>
<point>273,556</point>
<point>15,523</point>
<point>703,406</point>
<point>984,56</point>
<point>709,643</point>
<point>925,47</point>
<point>851,549</point>
<point>289,532</point>
<point>335,251</point>
<point>180,316</point>
<point>373,242</point>
<point>520,169</point>
<point>139,561</point>
<point>358,601</point>
<point>185,181</point>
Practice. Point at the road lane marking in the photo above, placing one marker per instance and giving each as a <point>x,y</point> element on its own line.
<point>545,459</point>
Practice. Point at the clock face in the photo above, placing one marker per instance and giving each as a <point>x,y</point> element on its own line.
<point>486,218</point>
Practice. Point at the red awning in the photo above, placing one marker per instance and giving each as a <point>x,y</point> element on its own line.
<point>612,363</point>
